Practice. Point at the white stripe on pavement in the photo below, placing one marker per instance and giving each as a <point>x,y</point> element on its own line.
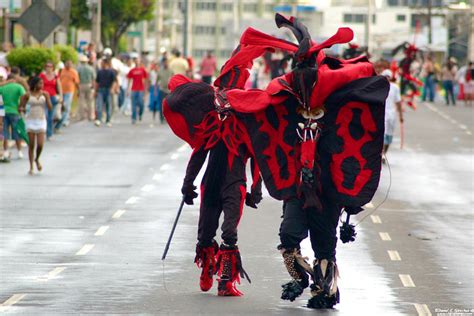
<point>422,309</point>
<point>394,255</point>
<point>101,231</point>
<point>52,274</point>
<point>85,249</point>
<point>157,176</point>
<point>165,167</point>
<point>376,219</point>
<point>369,205</point>
<point>406,280</point>
<point>174,156</point>
<point>11,301</point>
<point>384,236</point>
<point>118,214</point>
<point>132,200</point>
<point>148,188</point>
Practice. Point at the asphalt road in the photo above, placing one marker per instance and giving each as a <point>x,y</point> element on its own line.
<point>86,235</point>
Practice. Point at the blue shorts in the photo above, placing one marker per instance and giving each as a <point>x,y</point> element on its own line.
<point>9,122</point>
<point>387,139</point>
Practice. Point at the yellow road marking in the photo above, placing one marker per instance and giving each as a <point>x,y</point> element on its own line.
<point>422,309</point>
<point>394,255</point>
<point>132,200</point>
<point>165,167</point>
<point>101,231</point>
<point>52,274</point>
<point>11,301</point>
<point>85,249</point>
<point>376,219</point>
<point>118,214</point>
<point>157,176</point>
<point>384,236</point>
<point>406,280</point>
<point>148,188</point>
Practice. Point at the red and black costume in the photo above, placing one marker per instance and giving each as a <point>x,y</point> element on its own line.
<point>408,83</point>
<point>200,114</point>
<point>317,135</point>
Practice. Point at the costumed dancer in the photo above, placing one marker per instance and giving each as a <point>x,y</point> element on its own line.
<point>408,82</point>
<point>317,134</point>
<point>200,114</point>
<point>354,51</point>
<point>393,105</point>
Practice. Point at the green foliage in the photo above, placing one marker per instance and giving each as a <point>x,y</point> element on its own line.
<point>117,16</point>
<point>80,16</point>
<point>30,60</point>
<point>66,52</point>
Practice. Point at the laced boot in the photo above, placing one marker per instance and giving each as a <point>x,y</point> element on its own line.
<point>298,268</point>
<point>229,265</point>
<point>324,288</point>
<point>206,260</point>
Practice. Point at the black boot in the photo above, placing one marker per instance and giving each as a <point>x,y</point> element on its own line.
<point>298,269</point>
<point>324,288</point>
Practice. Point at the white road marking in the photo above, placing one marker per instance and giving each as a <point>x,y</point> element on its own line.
<point>183,148</point>
<point>394,255</point>
<point>157,176</point>
<point>369,205</point>
<point>118,214</point>
<point>385,236</point>
<point>148,188</point>
<point>376,219</point>
<point>85,249</point>
<point>11,301</point>
<point>165,167</point>
<point>52,274</point>
<point>132,200</point>
<point>101,231</point>
<point>422,310</point>
<point>448,118</point>
<point>174,156</point>
<point>406,280</point>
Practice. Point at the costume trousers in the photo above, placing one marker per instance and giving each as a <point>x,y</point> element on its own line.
<point>321,226</point>
<point>230,202</point>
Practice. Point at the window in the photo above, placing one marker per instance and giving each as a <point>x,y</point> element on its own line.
<point>206,6</point>
<point>227,7</point>
<point>207,30</point>
<point>225,53</point>
<point>401,17</point>
<point>250,7</point>
<point>356,18</point>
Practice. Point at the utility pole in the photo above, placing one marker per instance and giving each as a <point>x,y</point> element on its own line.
<point>96,10</point>
<point>158,26</point>
<point>368,21</point>
<point>184,9</point>
<point>430,29</point>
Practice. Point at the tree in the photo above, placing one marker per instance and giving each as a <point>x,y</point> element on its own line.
<point>117,16</point>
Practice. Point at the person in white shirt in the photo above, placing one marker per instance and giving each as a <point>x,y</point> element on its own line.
<point>393,105</point>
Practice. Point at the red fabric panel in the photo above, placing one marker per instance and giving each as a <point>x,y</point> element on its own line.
<point>177,124</point>
<point>329,80</point>
<point>352,147</point>
<point>177,80</point>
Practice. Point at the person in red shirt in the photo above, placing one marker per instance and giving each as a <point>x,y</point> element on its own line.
<point>52,85</point>
<point>137,81</point>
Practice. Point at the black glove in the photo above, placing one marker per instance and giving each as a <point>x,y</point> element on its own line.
<point>188,193</point>
<point>253,198</point>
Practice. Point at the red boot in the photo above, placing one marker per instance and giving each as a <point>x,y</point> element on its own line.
<point>230,270</point>
<point>206,259</point>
